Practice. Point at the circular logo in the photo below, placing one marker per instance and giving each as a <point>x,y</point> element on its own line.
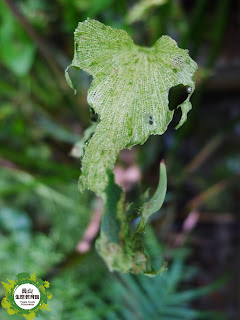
<point>27,296</point>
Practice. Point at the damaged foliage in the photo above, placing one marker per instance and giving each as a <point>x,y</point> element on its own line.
<point>129,92</point>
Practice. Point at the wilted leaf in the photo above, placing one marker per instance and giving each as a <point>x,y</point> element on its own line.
<point>129,92</point>
<point>122,250</point>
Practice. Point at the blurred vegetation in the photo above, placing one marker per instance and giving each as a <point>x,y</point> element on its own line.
<point>43,216</point>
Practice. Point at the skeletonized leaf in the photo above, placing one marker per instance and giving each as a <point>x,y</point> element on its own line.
<point>129,92</point>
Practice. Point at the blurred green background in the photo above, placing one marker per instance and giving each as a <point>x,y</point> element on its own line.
<point>43,217</point>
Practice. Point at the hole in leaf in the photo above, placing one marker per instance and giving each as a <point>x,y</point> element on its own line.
<point>93,115</point>
<point>178,95</point>
<point>176,118</point>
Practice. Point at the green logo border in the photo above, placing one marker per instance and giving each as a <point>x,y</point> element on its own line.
<point>22,278</point>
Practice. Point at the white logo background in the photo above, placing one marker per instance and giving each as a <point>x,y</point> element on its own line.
<point>27,296</point>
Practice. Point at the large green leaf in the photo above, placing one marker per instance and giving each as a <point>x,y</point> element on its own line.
<point>17,51</point>
<point>129,92</point>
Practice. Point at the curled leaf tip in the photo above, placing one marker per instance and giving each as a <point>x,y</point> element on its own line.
<point>68,79</point>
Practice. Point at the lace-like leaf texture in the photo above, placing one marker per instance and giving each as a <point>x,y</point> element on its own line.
<point>129,92</point>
